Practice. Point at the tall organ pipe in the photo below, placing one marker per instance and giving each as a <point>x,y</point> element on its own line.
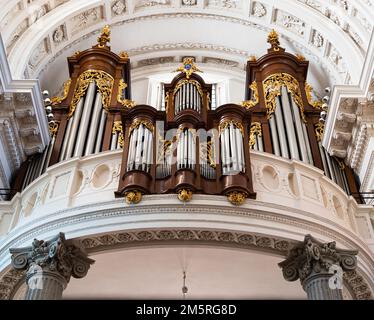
<point>306,141</point>
<point>227,149</point>
<point>145,148</point>
<point>223,153</point>
<point>281,127</point>
<point>131,156</point>
<point>139,146</point>
<point>99,136</point>
<point>92,133</point>
<point>274,136</point>
<point>290,125</point>
<point>83,125</point>
<point>149,151</point>
<point>234,150</point>
<point>240,150</point>
<point>74,127</point>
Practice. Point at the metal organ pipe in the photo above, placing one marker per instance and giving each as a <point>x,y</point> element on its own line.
<point>299,131</point>
<point>92,134</point>
<point>149,145</point>
<point>223,153</point>
<point>145,148</point>
<point>139,146</point>
<point>289,125</point>
<point>67,136</point>
<point>99,137</point>
<point>185,147</point>
<point>227,148</point>
<point>274,135</point>
<point>281,128</point>
<point>82,131</point>
<point>240,149</point>
<point>131,156</point>
<point>74,127</point>
<point>306,141</point>
<point>234,149</point>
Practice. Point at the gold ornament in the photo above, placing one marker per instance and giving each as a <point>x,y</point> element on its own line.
<point>104,82</point>
<point>53,128</point>
<point>117,127</point>
<point>300,57</point>
<point>272,88</point>
<point>308,90</point>
<point>124,102</point>
<point>185,195</point>
<point>207,153</point>
<point>255,130</point>
<point>124,55</point>
<point>252,58</point>
<point>319,128</point>
<point>184,81</point>
<point>223,125</point>
<point>273,39</point>
<point>133,197</point>
<point>236,198</point>
<point>188,67</point>
<point>57,100</point>
<point>249,104</point>
<point>148,124</point>
<point>104,37</point>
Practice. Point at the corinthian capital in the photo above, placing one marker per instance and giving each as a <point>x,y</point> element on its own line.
<point>313,257</point>
<point>57,255</point>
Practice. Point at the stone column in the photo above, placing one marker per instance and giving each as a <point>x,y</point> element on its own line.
<point>49,266</point>
<point>320,267</point>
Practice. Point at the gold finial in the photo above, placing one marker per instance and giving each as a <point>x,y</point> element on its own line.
<point>236,198</point>
<point>273,39</point>
<point>133,197</point>
<point>185,195</point>
<point>76,54</point>
<point>252,58</point>
<point>300,57</point>
<point>123,55</point>
<point>188,67</point>
<point>104,37</point>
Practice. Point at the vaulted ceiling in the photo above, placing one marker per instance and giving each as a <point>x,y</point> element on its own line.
<point>333,34</point>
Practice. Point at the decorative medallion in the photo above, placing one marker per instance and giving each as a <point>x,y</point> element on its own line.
<point>188,67</point>
<point>133,197</point>
<point>185,195</point>
<point>236,198</point>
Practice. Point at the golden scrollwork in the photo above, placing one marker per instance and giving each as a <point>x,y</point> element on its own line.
<point>117,127</point>
<point>249,104</point>
<point>255,130</point>
<point>236,198</point>
<point>53,128</point>
<point>57,100</point>
<point>273,39</point>
<point>319,128</point>
<point>104,37</point>
<point>136,123</point>
<point>272,86</point>
<point>185,81</point>
<point>340,163</point>
<point>124,102</point>
<point>185,195</point>
<point>207,153</point>
<point>188,67</point>
<point>104,82</point>
<point>300,57</point>
<point>223,125</point>
<point>308,90</point>
<point>133,197</point>
<point>252,58</point>
<point>164,148</point>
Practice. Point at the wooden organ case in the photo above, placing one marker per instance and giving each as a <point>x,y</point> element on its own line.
<point>285,117</point>
<point>188,148</point>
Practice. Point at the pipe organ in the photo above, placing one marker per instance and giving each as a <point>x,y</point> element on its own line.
<point>285,119</point>
<point>182,145</point>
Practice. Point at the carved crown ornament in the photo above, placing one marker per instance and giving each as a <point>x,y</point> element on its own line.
<point>104,37</point>
<point>188,67</point>
<point>273,39</point>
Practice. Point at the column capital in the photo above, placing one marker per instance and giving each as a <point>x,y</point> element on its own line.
<point>312,257</point>
<point>58,255</point>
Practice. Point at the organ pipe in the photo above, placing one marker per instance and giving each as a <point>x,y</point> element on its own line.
<point>92,133</point>
<point>274,136</point>
<point>74,127</point>
<point>83,125</point>
<point>100,133</point>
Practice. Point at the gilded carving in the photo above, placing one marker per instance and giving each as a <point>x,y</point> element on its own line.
<point>185,81</point>
<point>249,104</point>
<point>57,100</point>
<point>185,195</point>
<point>272,86</point>
<point>124,102</point>
<point>308,90</point>
<point>188,67</point>
<point>53,128</point>
<point>117,128</point>
<point>319,129</point>
<point>104,82</point>
<point>236,198</point>
<point>273,39</point>
<point>148,124</point>
<point>255,130</point>
<point>104,37</point>
<point>223,125</point>
<point>133,197</point>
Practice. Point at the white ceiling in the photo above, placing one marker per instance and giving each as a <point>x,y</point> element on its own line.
<point>332,34</point>
<point>157,273</point>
